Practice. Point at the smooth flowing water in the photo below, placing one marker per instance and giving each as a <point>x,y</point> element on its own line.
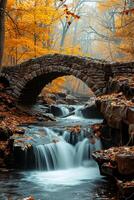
<point>62,163</point>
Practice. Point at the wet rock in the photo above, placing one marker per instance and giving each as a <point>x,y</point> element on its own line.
<point>117,162</point>
<point>20,131</point>
<point>56,111</point>
<point>116,109</point>
<point>71,108</point>
<point>91,112</point>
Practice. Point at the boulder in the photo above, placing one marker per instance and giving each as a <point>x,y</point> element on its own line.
<point>125,162</point>
<point>56,111</point>
<point>91,112</point>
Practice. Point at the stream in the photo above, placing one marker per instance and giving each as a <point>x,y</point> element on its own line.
<point>60,165</point>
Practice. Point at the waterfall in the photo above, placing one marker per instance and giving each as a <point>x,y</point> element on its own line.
<point>78,111</point>
<point>76,108</point>
<point>64,110</point>
<point>54,156</point>
<point>82,152</point>
<point>59,153</point>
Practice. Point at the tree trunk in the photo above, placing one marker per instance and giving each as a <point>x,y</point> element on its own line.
<point>2,27</point>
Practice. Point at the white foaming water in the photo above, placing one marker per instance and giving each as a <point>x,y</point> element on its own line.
<point>54,156</point>
<point>82,152</point>
<point>58,179</point>
<point>75,113</point>
<point>65,111</point>
<point>78,111</point>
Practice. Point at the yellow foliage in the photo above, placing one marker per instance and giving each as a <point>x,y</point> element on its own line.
<point>123,48</point>
<point>29,25</point>
<point>55,86</point>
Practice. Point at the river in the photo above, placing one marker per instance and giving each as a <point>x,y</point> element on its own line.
<point>62,165</point>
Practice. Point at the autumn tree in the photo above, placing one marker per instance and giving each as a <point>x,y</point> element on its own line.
<point>2,27</point>
<point>28,29</point>
<point>120,29</point>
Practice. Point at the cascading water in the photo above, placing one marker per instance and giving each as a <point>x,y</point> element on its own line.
<point>64,110</point>
<point>59,153</point>
<point>78,110</point>
<point>82,152</point>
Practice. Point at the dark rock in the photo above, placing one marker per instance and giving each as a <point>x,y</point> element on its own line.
<point>5,133</point>
<point>71,109</point>
<point>91,112</point>
<point>125,162</point>
<point>24,159</point>
<point>56,111</point>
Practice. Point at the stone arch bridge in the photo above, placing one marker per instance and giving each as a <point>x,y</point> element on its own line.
<point>26,80</point>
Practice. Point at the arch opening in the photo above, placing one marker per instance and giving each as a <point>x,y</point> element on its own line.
<point>34,87</point>
<point>44,83</point>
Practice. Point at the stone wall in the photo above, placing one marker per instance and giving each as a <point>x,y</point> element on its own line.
<point>117,108</point>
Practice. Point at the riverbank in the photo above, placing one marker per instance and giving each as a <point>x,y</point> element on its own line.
<point>117,135</point>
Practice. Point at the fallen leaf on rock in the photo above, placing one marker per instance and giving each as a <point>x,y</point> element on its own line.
<point>29,198</point>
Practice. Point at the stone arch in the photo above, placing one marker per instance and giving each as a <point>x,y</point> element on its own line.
<point>33,83</point>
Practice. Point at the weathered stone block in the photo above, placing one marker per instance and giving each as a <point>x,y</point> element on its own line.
<point>130,115</point>
<point>125,163</point>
